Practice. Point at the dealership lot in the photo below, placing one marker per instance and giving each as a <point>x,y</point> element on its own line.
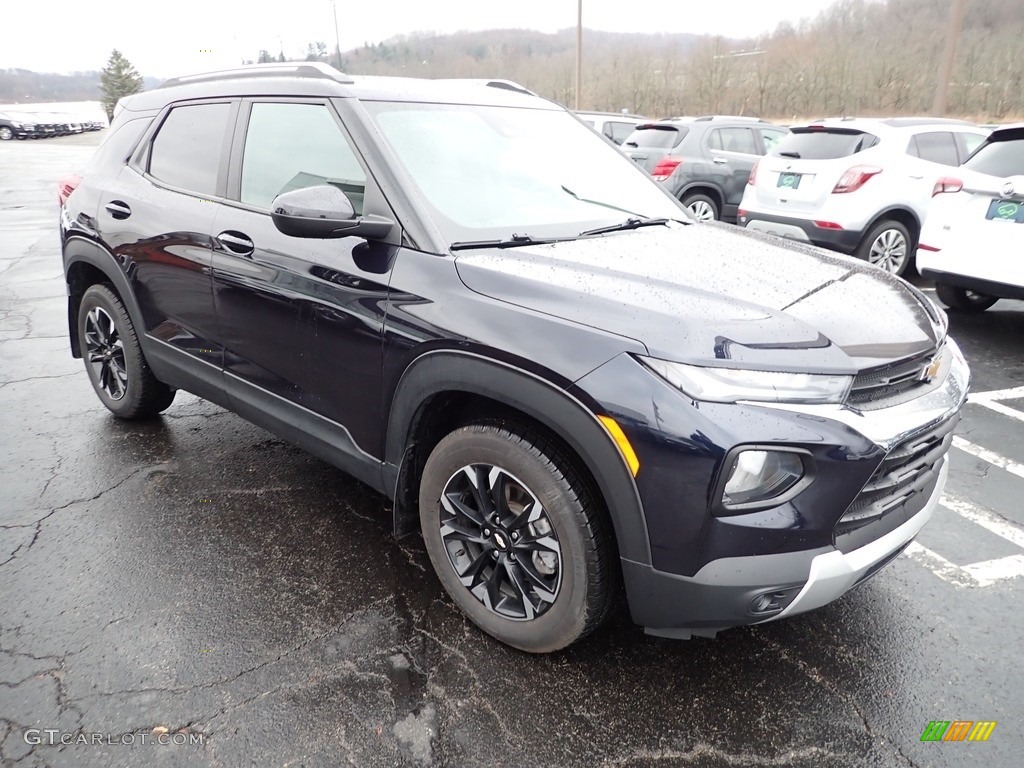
<point>199,575</point>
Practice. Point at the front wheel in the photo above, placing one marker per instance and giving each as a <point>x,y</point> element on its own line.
<point>113,358</point>
<point>515,536</point>
<point>6,134</point>
<point>887,245</point>
<point>955,297</point>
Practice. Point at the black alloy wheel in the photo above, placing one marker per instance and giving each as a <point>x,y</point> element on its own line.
<point>516,536</point>
<point>113,358</point>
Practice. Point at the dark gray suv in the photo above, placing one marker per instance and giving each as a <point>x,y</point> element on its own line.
<point>704,161</point>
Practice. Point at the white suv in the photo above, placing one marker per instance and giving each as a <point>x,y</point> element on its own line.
<point>856,185</point>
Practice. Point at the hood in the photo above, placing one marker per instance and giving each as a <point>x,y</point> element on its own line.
<point>716,294</point>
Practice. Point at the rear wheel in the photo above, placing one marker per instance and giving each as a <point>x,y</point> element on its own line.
<point>887,245</point>
<point>964,300</point>
<point>702,207</point>
<point>515,536</point>
<point>113,358</point>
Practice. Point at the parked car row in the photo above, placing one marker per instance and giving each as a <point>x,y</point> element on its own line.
<point>43,125</point>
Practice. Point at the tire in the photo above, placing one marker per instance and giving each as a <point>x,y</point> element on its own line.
<point>888,246</point>
<point>541,578</point>
<point>113,358</point>
<point>702,207</point>
<point>964,300</point>
<point>6,134</point>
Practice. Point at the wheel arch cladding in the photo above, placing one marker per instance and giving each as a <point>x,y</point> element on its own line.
<point>85,264</point>
<point>460,374</point>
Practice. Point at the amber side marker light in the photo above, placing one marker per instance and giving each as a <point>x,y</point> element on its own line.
<point>622,441</point>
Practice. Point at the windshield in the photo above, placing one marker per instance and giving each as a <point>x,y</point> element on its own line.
<point>490,172</point>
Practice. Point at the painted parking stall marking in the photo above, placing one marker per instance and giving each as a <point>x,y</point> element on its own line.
<point>983,573</point>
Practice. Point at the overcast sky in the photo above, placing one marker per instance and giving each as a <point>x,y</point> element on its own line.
<point>183,36</point>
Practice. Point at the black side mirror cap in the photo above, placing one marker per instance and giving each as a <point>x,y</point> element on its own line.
<point>324,212</point>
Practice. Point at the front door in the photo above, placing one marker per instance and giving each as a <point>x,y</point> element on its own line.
<point>301,319</point>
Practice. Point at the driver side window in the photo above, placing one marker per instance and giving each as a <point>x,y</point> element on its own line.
<point>290,146</point>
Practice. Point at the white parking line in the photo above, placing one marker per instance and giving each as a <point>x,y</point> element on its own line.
<point>987,519</point>
<point>981,574</point>
<point>991,457</point>
<point>998,394</point>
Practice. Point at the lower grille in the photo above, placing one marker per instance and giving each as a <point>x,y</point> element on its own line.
<point>898,489</point>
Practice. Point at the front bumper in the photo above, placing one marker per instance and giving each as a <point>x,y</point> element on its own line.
<point>710,572</point>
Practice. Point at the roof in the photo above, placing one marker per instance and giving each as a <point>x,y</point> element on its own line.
<point>323,80</point>
<point>889,122</point>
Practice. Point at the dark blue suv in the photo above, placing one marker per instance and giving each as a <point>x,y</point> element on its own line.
<point>466,298</point>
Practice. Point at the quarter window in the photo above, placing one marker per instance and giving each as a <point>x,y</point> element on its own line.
<point>186,152</point>
<point>936,148</point>
<point>291,146</point>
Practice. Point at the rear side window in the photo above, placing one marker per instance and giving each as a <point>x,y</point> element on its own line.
<point>291,146</point>
<point>733,140</point>
<point>937,147</point>
<point>618,132</point>
<point>657,136</point>
<point>1000,158</point>
<point>186,152</point>
<point>118,144</point>
<point>824,143</point>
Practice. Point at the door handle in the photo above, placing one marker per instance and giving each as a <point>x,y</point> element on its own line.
<point>916,177</point>
<point>118,210</point>
<point>236,243</point>
<point>719,160</point>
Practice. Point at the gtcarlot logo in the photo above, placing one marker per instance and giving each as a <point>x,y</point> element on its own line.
<point>161,736</point>
<point>958,730</point>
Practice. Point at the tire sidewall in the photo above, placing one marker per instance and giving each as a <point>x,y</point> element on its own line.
<point>689,199</point>
<point>865,249</point>
<point>565,619</point>
<point>102,297</point>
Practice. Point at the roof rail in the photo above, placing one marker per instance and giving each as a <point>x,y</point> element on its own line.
<point>316,69</point>
<point>743,118</point>
<point>506,85</point>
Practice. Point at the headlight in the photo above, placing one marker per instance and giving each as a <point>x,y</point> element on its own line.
<point>16,125</point>
<point>728,385</point>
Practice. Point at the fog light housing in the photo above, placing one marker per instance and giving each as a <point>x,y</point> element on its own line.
<point>758,475</point>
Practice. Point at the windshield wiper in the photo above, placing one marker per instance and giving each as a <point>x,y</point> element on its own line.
<point>597,202</point>
<point>513,242</point>
<point>634,222</point>
<point>795,155</point>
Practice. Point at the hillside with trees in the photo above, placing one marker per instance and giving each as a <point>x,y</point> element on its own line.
<point>863,57</point>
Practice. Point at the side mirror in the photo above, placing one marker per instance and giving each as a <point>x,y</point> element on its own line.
<point>323,212</point>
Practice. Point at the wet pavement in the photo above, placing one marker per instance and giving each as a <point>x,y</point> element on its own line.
<point>196,580</point>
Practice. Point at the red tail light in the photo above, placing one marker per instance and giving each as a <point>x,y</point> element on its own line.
<point>926,247</point>
<point>947,184</point>
<point>665,167</point>
<point>854,178</point>
<point>66,186</point>
<point>827,225</point>
<point>752,179</point>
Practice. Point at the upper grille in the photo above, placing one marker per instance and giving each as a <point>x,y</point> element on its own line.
<point>899,487</point>
<point>889,381</point>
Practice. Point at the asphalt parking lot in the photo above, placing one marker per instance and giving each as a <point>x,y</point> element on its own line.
<point>197,581</point>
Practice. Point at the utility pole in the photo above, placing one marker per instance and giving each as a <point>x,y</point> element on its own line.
<point>956,23</point>
<point>337,36</point>
<point>579,51</point>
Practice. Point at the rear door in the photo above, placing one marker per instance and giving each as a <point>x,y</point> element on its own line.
<point>156,218</point>
<point>733,151</point>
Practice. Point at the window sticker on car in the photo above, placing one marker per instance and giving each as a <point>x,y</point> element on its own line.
<point>1005,210</point>
<point>789,180</point>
